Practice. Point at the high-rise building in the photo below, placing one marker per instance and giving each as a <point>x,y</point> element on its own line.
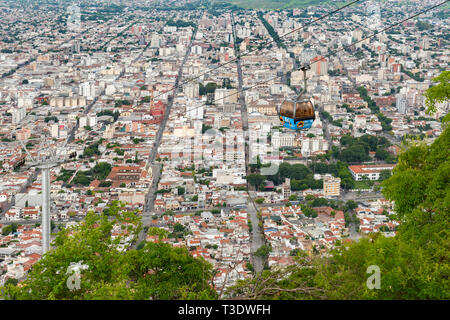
<point>320,66</point>
<point>18,114</point>
<point>191,90</point>
<point>286,188</point>
<point>401,103</point>
<point>331,185</point>
<point>282,140</point>
<point>155,41</point>
<point>54,130</point>
<point>312,145</point>
<point>87,89</point>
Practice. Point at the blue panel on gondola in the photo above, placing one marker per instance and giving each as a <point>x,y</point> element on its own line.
<point>297,125</point>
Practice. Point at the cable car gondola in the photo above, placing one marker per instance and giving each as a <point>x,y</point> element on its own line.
<point>297,114</point>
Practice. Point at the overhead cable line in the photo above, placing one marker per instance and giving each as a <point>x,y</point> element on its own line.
<point>260,47</point>
<point>332,53</point>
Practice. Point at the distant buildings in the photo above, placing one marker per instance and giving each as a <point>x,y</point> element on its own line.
<point>87,89</point>
<point>18,114</point>
<point>191,90</point>
<point>331,186</point>
<point>320,66</point>
<point>286,188</point>
<point>313,145</point>
<point>372,172</point>
<point>280,140</point>
<point>401,104</point>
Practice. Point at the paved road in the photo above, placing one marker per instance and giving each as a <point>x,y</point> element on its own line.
<point>353,234</point>
<point>363,196</point>
<point>256,236</point>
<point>151,195</point>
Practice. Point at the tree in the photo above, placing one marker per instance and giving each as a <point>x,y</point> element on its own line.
<point>256,179</point>
<point>381,154</point>
<point>180,190</point>
<point>309,212</point>
<point>320,202</point>
<point>178,227</point>
<point>385,174</point>
<point>119,152</point>
<point>263,251</point>
<point>156,271</point>
<point>350,205</point>
<point>438,93</point>
<point>101,170</point>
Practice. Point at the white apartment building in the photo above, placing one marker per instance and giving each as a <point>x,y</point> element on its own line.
<point>18,114</point>
<point>372,172</point>
<point>280,140</point>
<point>191,90</point>
<point>331,185</point>
<point>312,145</point>
<point>87,89</point>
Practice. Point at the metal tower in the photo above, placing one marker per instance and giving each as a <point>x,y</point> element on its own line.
<point>44,161</point>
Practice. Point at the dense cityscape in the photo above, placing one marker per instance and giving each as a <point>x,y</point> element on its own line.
<point>169,111</point>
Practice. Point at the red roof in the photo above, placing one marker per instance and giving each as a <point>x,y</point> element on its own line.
<point>370,168</point>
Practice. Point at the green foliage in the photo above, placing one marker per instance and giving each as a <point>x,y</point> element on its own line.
<point>209,88</point>
<point>385,122</point>
<point>438,93</point>
<point>205,128</point>
<point>350,205</point>
<point>181,190</point>
<point>11,228</point>
<point>92,149</point>
<point>155,271</point>
<point>115,114</point>
<point>320,202</point>
<point>256,180</point>
<point>356,150</point>
<point>51,118</point>
<point>309,212</point>
<point>420,180</point>
<point>178,227</point>
<point>119,152</point>
<point>99,172</point>
<point>65,175</point>
<point>385,174</point>
<point>181,23</point>
<point>271,31</point>
<point>263,251</point>
<point>363,93</point>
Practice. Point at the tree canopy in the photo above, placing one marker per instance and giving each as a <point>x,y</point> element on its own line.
<point>155,271</point>
<point>438,93</point>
